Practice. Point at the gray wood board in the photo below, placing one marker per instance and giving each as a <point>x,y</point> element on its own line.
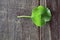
<point>21,29</point>
<point>3,20</point>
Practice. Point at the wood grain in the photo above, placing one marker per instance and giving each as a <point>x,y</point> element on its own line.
<point>23,28</point>
<point>58,7</point>
<point>53,5</point>
<point>3,20</point>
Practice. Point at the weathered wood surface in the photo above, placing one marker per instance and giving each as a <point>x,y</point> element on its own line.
<point>54,6</point>
<point>3,20</point>
<point>12,28</point>
<point>29,31</point>
<point>58,19</point>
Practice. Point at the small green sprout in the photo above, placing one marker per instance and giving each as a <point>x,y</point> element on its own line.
<point>40,16</point>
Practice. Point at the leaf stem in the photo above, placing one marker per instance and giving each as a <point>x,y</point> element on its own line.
<point>23,16</point>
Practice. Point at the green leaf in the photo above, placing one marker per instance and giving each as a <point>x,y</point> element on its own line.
<point>40,15</point>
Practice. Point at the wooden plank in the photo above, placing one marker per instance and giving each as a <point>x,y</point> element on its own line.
<point>15,28</point>
<point>58,19</point>
<point>53,5</point>
<point>29,31</point>
<point>45,33</point>
<point>21,29</point>
<point>3,20</point>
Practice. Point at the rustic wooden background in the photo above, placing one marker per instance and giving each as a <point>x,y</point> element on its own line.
<point>12,28</point>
